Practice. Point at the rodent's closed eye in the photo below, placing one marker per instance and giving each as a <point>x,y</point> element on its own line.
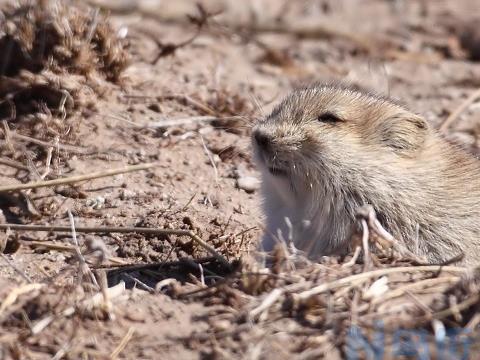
<point>328,117</point>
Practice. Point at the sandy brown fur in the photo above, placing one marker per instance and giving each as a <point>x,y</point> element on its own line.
<point>426,191</point>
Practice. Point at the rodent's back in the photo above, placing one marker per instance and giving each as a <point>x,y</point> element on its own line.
<point>325,151</point>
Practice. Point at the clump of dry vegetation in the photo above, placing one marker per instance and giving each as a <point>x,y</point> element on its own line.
<point>56,58</point>
<point>341,306</point>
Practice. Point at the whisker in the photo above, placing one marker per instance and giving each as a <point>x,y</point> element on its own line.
<point>256,103</point>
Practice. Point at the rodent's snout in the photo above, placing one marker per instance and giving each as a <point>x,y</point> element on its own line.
<point>267,152</point>
<point>262,139</point>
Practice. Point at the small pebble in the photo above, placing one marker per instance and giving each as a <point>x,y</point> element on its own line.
<point>221,325</point>
<point>248,183</point>
<point>126,194</point>
<point>97,203</point>
<point>135,315</point>
<point>238,171</point>
<point>155,107</point>
<point>216,159</point>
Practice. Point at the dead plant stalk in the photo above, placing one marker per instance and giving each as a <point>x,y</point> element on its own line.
<point>362,277</point>
<point>108,229</point>
<point>77,178</point>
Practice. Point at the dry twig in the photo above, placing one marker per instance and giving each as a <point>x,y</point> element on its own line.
<point>188,120</point>
<point>455,114</point>
<point>69,148</point>
<point>83,267</point>
<point>108,229</point>
<point>77,178</point>
<point>14,164</point>
<point>121,346</point>
<point>93,302</point>
<point>15,293</point>
<point>362,277</point>
<point>17,270</point>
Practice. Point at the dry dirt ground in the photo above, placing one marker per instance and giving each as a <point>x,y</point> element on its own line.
<point>238,63</point>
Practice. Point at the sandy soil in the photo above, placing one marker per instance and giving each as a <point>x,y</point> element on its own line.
<point>410,50</point>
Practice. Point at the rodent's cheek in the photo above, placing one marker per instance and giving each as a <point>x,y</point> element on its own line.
<point>258,155</point>
<point>325,150</point>
<point>314,145</point>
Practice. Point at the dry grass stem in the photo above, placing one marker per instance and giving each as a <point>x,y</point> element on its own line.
<point>366,252</point>
<point>121,346</point>
<point>354,258</point>
<point>363,277</point>
<point>188,120</point>
<point>17,270</point>
<point>107,229</point>
<point>210,158</point>
<point>78,178</point>
<point>70,148</point>
<point>458,307</point>
<point>423,284</point>
<point>141,284</point>
<point>82,264</point>
<point>14,164</point>
<point>269,300</point>
<point>17,292</point>
<point>88,304</point>
<point>455,114</point>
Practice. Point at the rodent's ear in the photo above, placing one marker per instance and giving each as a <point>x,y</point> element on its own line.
<point>404,133</point>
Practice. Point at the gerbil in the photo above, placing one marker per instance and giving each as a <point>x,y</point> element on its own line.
<point>327,150</point>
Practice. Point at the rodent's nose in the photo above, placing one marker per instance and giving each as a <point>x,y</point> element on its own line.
<point>262,139</point>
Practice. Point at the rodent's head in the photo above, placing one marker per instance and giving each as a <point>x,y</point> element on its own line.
<point>328,130</point>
